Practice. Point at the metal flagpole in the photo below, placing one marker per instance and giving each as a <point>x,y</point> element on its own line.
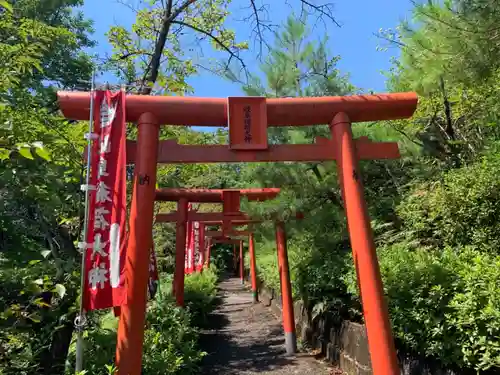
<point>81,320</point>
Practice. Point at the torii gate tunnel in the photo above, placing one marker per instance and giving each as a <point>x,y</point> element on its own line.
<point>230,198</point>
<point>248,119</point>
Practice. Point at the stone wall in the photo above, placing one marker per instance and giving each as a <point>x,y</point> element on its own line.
<point>343,344</point>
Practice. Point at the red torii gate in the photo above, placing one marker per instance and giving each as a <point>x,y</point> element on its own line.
<point>230,198</point>
<point>232,218</point>
<point>251,250</point>
<point>248,119</point>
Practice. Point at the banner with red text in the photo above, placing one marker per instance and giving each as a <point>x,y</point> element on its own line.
<point>106,237</point>
<point>188,253</point>
<point>189,260</point>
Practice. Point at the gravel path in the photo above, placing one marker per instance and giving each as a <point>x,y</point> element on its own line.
<point>248,339</point>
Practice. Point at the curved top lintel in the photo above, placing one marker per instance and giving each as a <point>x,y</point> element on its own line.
<point>304,111</point>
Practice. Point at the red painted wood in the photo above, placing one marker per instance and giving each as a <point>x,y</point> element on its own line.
<point>200,216</point>
<point>213,195</point>
<point>378,326</point>
<point>130,336</point>
<point>189,111</point>
<point>172,152</point>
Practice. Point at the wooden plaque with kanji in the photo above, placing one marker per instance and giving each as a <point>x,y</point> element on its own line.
<point>247,117</point>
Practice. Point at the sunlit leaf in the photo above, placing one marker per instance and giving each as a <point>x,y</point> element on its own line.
<point>43,153</point>
<point>4,153</point>
<point>60,290</point>
<point>26,152</point>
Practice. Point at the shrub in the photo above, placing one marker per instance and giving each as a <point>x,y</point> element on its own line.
<point>460,209</point>
<point>476,309</point>
<point>170,341</point>
<point>200,290</point>
<point>443,304</point>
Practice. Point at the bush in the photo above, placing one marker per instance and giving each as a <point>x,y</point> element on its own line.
<point>443,304</point>
<point>316,274</point>
<point>460,209</point>
<point>476,309</point>
<point>200,290</point>
<point>170,341</point>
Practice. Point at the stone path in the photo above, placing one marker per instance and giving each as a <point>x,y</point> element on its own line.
<point>247,339</point>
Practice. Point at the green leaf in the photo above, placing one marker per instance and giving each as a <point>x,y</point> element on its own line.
<point>38,281</point>
<point>34,261</point>
<point>26,152</point>
<point>41,303</point>
<point>60,290</point>
<point>35,317</point>
<point>43,153</point>
<point>46,253</point>
<point>4,153</point>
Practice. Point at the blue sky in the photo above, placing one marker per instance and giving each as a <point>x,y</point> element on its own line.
<point>354,41</point>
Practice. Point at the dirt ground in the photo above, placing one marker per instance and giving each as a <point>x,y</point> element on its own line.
<point>247,339</point>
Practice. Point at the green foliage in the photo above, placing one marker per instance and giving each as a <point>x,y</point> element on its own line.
<point>200,290</point>
<point>458,210</point>
<point>443,304</point>
<point>40,169</point>
<point>170,342</point>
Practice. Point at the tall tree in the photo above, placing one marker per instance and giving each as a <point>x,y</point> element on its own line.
<point>451,59</point>
<point>41,48</point>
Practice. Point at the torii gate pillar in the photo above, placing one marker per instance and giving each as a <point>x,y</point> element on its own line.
<point>180,251</point>
<point>235,261</point>
<point>253,267</point>
<point>382,350</point>
<point>133,311</point>
<point>242,265</point>
<point>286,290</point>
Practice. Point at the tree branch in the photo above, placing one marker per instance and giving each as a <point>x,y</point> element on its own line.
<point>324,10</point>
<point>259,25</point>
<point>216,40</point>
<point>151,73</point>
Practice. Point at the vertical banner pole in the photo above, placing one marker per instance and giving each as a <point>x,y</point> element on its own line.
<point>131,325</point>
<point>80,319</point>
<point>378,327</point>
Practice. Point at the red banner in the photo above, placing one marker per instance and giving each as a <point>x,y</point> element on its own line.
<point>199,245</point>
<point>106,238</point>
<point>189,260</point>
<point>188,254</point>
<point>195,248</point>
